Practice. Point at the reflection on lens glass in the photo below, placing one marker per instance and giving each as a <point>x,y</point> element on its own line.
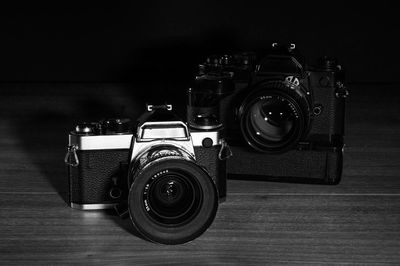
<point>272,119</point>
<point>173,198</point>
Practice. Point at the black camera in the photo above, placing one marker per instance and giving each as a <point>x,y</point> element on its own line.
<point>171,179</point>
<point>283,119</point>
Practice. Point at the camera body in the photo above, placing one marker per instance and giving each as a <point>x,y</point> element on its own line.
<point>97,158</point>
<point>101,154</point>
<point>284,120</point>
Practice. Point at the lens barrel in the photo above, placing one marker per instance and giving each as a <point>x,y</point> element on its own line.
<point>172,200</point>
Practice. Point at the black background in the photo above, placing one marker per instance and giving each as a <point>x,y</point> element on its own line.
<point>164,40</point>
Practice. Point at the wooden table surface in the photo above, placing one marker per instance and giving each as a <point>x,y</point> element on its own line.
<point>355,222</point>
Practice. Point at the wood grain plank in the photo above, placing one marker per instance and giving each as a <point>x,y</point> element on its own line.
<point>249,229</point>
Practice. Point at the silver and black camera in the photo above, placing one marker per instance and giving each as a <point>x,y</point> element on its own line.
<point>170,178</point>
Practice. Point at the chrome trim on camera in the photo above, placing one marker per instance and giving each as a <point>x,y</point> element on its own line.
<point>208,127</point>
<point>86,207</point>
<point>101,142</point>
<point>199,136</point>
<point>171,127</point>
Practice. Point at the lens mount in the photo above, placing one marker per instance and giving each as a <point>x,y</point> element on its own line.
<point>172,200</point>
<point>273,118</point>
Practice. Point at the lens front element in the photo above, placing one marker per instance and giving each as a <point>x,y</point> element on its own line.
<point>274,118</point>
<point>173,198</point>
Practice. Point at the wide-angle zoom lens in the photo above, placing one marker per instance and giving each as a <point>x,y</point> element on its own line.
<point>274,118</point>
<point>172,200</point>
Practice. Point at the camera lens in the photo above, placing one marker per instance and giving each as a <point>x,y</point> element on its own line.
<point>204,99</point>
<point>274,118</point>
<point>172,200</point>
